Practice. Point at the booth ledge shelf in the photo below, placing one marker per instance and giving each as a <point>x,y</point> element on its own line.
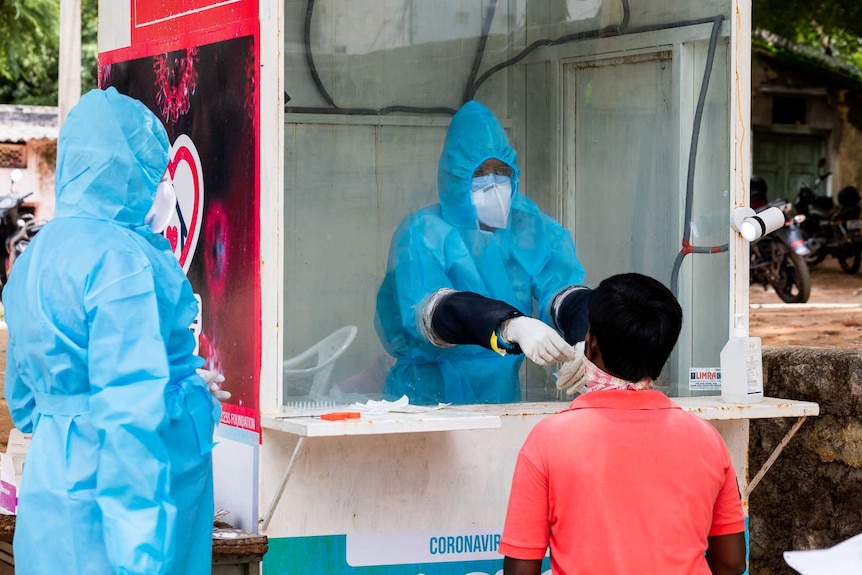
<point>446,419</point>
<point>713,408</point>
<point>490,417</point>
<point>708,407</point>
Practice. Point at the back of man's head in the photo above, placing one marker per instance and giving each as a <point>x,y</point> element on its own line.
<point>635,321</point>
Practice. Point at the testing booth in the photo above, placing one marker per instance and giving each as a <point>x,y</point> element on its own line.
<point>303,132</point>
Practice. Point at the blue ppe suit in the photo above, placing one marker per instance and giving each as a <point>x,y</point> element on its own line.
<point>442,246</point>
<point>100,366</point>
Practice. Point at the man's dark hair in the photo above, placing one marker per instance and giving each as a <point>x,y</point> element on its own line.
<point>635,321</point>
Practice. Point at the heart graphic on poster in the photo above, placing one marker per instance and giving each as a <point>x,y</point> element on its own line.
<point>173,235</point>
<point>184,228</point>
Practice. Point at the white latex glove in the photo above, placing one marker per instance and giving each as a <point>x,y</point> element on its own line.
<point>212,380</point>
<point>572,377</point>
<point>539,341</point>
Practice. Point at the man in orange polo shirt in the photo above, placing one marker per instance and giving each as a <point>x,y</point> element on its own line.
<point>624,481</point>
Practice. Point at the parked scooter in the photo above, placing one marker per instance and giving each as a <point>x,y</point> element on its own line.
<point>832,230</point>
<point>17,227</point>
<point>778,259</point>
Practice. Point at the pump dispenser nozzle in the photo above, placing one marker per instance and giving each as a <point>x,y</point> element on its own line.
<point>740,328</point>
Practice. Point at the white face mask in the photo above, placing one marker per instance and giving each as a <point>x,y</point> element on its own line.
<point>492,197</point>
<point>164,206</point>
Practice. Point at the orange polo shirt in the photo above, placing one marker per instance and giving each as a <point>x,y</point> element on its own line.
<point>622,482</point>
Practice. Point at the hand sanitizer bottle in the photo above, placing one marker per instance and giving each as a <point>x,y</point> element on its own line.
<point>741,367</point>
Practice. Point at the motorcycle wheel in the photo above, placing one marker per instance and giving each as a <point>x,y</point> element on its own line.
<point>850,257</point>
<point>792,283</point>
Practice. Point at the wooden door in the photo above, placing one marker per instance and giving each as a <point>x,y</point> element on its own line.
<point>788,161</point>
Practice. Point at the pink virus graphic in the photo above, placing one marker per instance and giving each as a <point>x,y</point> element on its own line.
<point>208,350</point>
<point>250,89</point>
<point>176,80</point>
<point>104,76</point>
<point>216,241</point>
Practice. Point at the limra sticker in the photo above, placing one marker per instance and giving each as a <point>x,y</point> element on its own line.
<point>704,379</point>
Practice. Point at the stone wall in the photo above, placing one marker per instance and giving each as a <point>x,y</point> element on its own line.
<point>812,496</point>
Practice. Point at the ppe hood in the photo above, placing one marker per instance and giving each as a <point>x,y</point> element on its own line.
<point>111,154</point>
<point>475,135</point>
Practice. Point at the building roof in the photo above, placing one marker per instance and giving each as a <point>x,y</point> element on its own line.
<point>24,123</point>
<point>773,46</point>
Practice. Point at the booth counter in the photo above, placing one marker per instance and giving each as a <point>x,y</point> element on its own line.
<point>427,493</point>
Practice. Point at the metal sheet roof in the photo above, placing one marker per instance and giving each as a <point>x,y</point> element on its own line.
<point>24,123</point>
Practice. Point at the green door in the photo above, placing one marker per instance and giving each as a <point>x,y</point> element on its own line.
<point>788,161</point>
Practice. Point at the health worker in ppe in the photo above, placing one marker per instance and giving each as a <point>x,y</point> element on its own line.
<point>100,366</point>
<point>455,306</point>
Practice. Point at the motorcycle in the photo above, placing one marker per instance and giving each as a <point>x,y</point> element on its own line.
<point>18,226</point>
<point>778,259</point>
<point>832,230</point>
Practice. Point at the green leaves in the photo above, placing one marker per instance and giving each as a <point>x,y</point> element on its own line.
<point>833,26</point>
<point>30,50</point>
<point>26,27</point>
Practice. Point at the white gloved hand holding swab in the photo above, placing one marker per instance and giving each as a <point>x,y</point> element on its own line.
<point>539,341</point>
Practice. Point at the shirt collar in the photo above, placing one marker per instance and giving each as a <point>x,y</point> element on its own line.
<point>623,399</point>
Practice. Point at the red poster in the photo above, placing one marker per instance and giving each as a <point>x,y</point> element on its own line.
<point>204,86</point>
<point>154,20</point>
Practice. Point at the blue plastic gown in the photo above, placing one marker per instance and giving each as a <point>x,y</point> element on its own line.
<point>118,478</point>
<point>442,246</point>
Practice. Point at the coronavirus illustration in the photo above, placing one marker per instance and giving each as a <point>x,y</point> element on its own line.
<point>176,81</point>
<point>217,238</point>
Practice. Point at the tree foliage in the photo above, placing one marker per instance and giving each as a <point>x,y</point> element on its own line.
<point>834,26</point>
<point>89,45</point>
<point>29,45</point>
<point>30,50</point>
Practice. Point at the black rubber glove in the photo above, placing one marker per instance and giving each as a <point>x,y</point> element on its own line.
<point>462,317</point>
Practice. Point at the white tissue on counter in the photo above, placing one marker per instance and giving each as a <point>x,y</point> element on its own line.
<point>402,405</point>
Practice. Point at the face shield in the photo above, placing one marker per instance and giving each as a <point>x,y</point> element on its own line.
<point>164,206</point>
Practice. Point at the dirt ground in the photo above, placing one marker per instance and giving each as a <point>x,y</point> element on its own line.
<point>831,318</point>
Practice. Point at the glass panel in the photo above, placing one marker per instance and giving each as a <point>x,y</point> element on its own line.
<point>598,98</point>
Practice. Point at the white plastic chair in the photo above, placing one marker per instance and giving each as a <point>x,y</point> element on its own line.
<point>308,373</point>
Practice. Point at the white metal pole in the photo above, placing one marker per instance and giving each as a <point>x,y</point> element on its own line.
<point>69,77</point>
<point>740,161</point>
<point>271,201</point>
